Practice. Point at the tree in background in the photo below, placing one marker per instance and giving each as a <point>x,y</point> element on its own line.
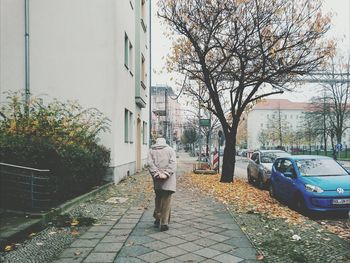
<point>241,51</point>
<point>189,136</point>
<point>329,114</point>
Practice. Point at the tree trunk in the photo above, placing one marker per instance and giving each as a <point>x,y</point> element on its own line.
<point>229,158</point>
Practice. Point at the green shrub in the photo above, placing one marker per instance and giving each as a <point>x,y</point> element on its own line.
<point>62,137</point>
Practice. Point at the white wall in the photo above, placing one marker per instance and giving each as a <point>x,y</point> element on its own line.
<point>76,53</point>
<point>259,119</point>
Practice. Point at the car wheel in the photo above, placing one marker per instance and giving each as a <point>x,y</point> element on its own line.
<point>250,179</point>
<point>260,183</point>
<point>272,191</point>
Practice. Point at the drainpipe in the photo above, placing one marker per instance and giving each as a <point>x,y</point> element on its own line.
<point>150,74</point>
<point>26,54</point>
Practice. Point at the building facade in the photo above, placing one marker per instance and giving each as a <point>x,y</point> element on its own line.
<point>268,111</point>
<point>95,52</point>
<point>273,114</point>
<point>166,114</point>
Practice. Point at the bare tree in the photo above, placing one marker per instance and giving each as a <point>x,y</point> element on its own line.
<point>243,50</point>
<point>329,114</point>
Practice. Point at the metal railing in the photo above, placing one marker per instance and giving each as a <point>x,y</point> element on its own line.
<point>25,188</point>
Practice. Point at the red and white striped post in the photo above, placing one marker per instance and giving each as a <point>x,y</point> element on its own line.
<point>216,160</point>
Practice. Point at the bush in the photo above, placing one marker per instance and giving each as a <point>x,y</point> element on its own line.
<point>62,137</point>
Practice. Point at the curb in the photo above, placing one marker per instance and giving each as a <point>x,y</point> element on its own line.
<point>40,220</point>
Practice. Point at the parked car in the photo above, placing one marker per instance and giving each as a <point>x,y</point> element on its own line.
<point>260,164</point>
<point>311,183</point>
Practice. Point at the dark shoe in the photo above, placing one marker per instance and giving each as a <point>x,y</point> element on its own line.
<point>164,228</point>
<point>156,222</point>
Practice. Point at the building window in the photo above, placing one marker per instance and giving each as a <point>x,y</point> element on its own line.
<point>126,51</point>
<point>144,134</point>
<point>131,58</point>
<point>262,125</point>
<point>143,15</point>
<point>128,126</point>
<point>131,128</point>
<point>143,71</point>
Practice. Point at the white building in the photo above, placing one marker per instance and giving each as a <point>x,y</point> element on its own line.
<point>93,51</point>
<point>263,113</point>
<point>166,113</point>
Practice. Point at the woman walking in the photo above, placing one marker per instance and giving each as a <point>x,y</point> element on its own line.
<point>162,166</point>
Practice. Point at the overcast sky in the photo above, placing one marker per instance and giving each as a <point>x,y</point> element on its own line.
<point>161,45</point>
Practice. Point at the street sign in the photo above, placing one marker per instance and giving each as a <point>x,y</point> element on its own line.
<point>204,122</point>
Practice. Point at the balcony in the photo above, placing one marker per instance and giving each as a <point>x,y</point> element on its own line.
<point>141,96</point>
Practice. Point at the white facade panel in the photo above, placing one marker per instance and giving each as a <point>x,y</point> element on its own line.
<point>77,53</point>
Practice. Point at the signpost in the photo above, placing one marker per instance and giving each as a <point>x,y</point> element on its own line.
<point>219,142</point>
<point>204,122</point>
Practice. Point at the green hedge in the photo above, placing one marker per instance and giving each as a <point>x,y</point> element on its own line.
<point>61,137</point>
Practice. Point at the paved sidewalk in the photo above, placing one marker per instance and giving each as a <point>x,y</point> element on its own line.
<point>201,230</point>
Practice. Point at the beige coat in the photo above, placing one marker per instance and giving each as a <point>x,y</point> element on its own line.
<point>163,158</point>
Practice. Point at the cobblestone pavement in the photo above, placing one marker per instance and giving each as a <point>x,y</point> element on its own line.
<point>201,230</point>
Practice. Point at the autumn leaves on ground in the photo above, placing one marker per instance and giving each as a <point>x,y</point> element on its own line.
<point>245,198</point>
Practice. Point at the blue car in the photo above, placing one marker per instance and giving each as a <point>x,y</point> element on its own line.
<point>311,183</point>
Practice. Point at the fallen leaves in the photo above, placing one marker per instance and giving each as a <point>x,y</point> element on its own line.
<point>244,197</point>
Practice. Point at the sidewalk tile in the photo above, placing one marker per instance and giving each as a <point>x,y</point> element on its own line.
<point>153,257</point>
<point>90,235</point>
<point>108,247</point>
<point>227,258</point>
<point>190,257</point>
<point>134,251</point>
<point>100,258</point>
<point>174,240</point>
<point>128,260</point>
<point>222,247</point>
<point>207,252</point>
<point>100,228</point>
<point>85,243</point>
<point>75,252</point>
<point>156,245</point>
<point>190,247</point>
<point>173,251</point>
<point>205,242</point>
<point>114,238</point>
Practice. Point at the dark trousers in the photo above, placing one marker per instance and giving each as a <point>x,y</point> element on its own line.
<point>162,206</point>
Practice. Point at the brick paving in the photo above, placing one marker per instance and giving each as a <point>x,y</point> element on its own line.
<point>201,230</point>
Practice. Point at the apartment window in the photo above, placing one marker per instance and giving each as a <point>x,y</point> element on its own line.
<point>143,71</point>
<point>131,128</point>
<point>291,116</point>
<point>128,126</point>
<point>143,15</point>
<point>131,58</point>
<point>126,51</point>
<point>144,134</point>
<point>262,125</point>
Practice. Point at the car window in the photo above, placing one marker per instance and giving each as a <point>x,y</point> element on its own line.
<point>270,157</point>
<point>319,167</point>
<point>285,165</point>
<point>278,165</point>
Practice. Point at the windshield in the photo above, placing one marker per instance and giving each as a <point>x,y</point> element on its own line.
<point>270,157</point>
<point>319,167</point>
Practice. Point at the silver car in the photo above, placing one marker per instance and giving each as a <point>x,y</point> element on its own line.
<point>260,165</point>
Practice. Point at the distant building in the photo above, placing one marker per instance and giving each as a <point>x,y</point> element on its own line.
<point>166,114</point>
<point>261,116</point>
<point>94,52</point>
